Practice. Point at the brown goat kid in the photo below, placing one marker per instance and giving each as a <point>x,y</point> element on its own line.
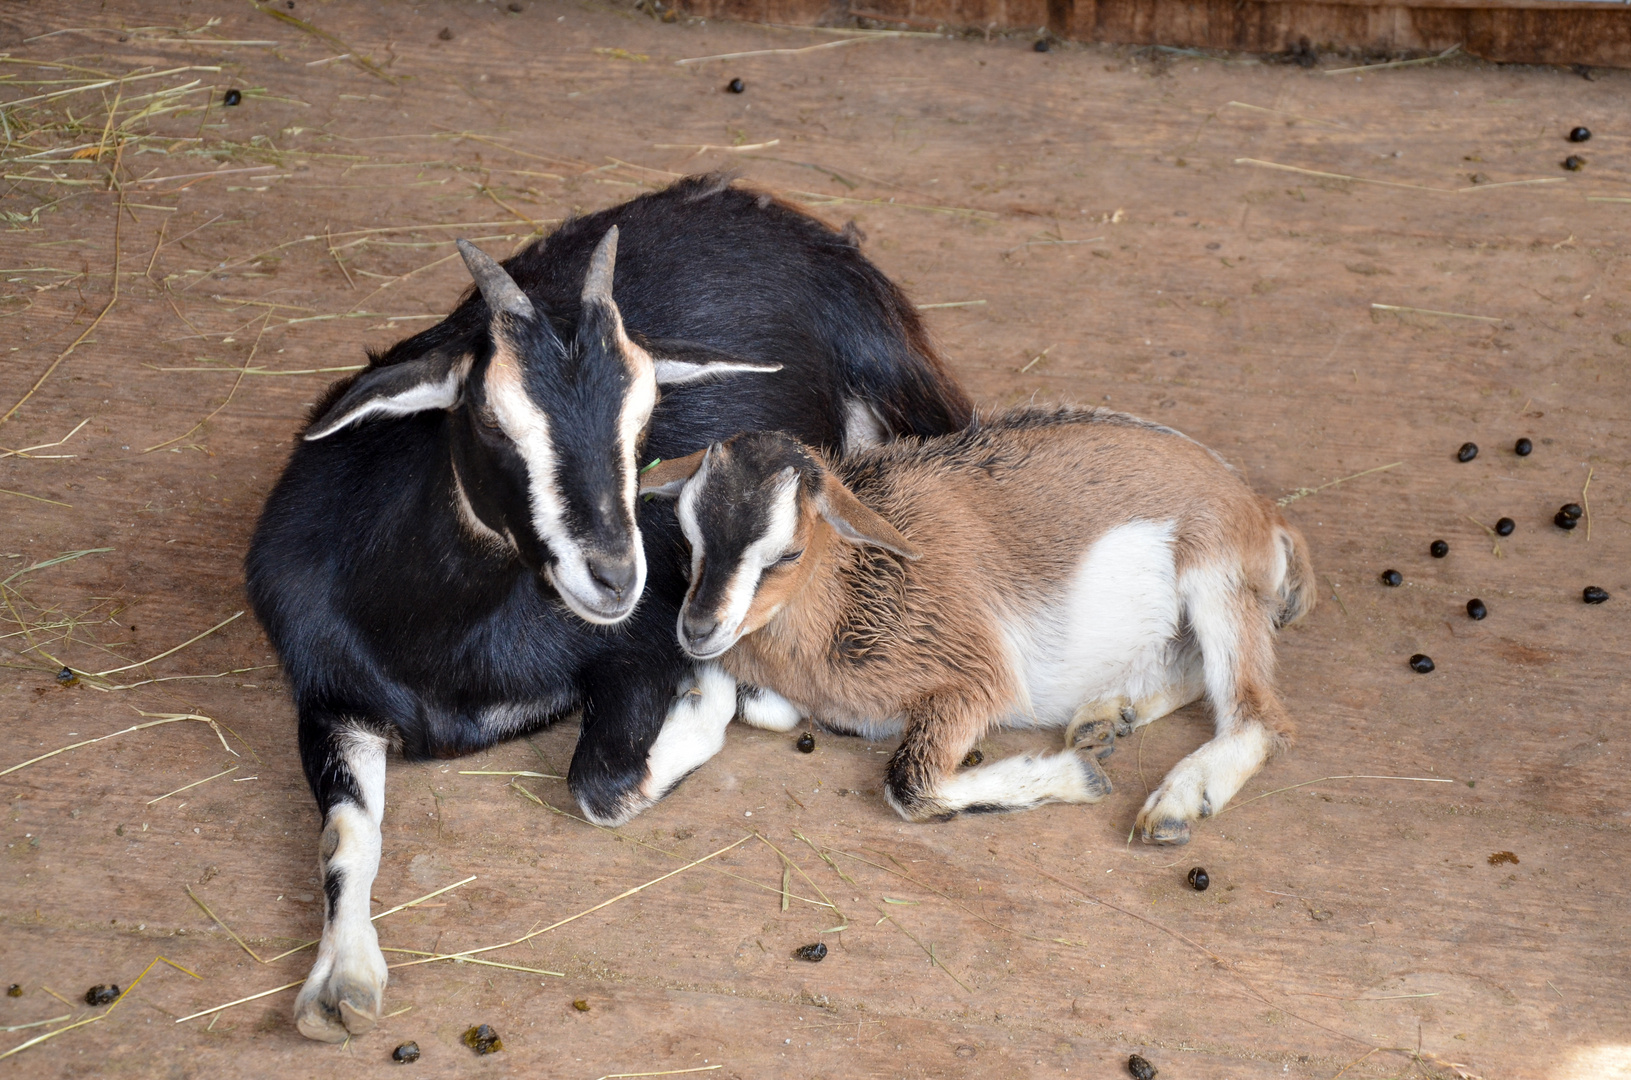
<point>1052,568</point>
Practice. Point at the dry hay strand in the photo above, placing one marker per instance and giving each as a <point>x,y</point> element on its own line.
<point>1495,537</point>
<point>1585,503</point>
<point>778,52</point>
<point>205,908</point>
<point>118,232</point>
<point>28,452</point>
<point>468,955</point>
<point>521,790</point>
<point>1303,492</point>
<point>356,57</point>
<point>161,719</point>
<point>1258,163</point>
<point>664,1072</point>
<point>36,1040</point>
<point>1323,779</point>
<point>1430,311</point>
<point>195,783</point>
<point>1445,55</point>
<point>1283,112</point>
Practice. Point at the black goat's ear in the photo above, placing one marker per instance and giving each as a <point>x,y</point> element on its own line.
<point>681,362</point>
<point>664,479</point>
<point>434,381</point>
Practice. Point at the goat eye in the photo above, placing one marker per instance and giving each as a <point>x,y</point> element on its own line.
<point>790,558</point>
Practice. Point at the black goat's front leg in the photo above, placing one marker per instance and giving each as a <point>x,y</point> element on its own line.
<point>648,723</point>
<point>345,765</point>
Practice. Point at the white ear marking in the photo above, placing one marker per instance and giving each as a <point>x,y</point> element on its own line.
<point>679,372</point>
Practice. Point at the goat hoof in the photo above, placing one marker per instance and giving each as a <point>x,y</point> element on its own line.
<point>323,1018</point>
<point>1206,805</point>
<point>1095,736</point>
<point>1170,831</point>
<point>1095,782</point>
<point>1129,721</point>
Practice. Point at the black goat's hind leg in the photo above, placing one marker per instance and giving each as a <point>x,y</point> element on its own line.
<point>345,765</point>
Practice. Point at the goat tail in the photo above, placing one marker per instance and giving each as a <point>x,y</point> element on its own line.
<point>1297,588</point>
<point>894,366</point>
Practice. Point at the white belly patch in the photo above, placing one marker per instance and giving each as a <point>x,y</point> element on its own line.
<point>1110,631</point>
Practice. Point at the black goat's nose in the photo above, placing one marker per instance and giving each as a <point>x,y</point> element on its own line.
<point>615,575</point>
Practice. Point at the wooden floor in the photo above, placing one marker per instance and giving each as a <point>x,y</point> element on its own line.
<point>1297,269</point>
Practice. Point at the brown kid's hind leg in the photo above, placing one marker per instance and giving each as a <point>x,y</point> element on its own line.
<point>1235,633</point>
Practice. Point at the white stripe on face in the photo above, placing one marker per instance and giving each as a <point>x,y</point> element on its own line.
<point>762,553</point>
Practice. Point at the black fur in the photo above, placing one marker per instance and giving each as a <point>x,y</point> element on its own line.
<point>385,613</point>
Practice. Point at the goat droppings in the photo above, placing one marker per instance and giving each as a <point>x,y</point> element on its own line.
<point>14,990</point>
<point>1041,45</point>
<point>66,677</point>
<point>813,953</point>
<point>1568,516</point>
<point>1141,1069</point>
<point>1574,163</point>
<point>406,1054</point>
<point>1438,549</point>
<point>581,1005</point>
<point>1198,879</point>
<point>1392,578</point>
<point>102,995</point>
<point>806,743</point>
<point>1467,452</point>
<point>483,1040</point>
<point>974,758</point>
<point>1505,526</point>
<point>1523,448</point>
<point>232,97</point>
<point>736,86</point>
<point>1591,594</point>
<point>445,34</point>
<point>1421,663</point>
<point>1476,610</point>
<point>1580,134</point>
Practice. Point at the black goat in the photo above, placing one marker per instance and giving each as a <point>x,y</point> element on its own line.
<point>455,513</point>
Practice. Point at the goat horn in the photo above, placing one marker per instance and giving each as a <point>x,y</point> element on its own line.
<point>597,284</point>
<point>497,287</point>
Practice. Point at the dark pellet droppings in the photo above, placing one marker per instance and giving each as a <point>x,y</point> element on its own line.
<point>1505,526</point>
<point>1591,594</point>
<point>1467,452</point>
<point>445,34</point>
<point>483,1040</point>
<point>1198,879</point>
<point>813,953</point>
<point>405,1054</point>
<point>1572,511</point>
<point>1392,578</point>
<point>1523,448</point>
<point>581,1005</point>
<point>232,97</point>
<point>974,758</point>
<point>14,990</point>
<point>1476,609</point>
<point>67,677</point>
<point>1421,663</point>
<point>806,743</point>
<point>1564,521</point>
<point>1574,163</point>
<point>1438,549</point>
<point>736,86</point>
<point>1041,45</point>
<point>1580,134</point>
<point>1500,857</point>
<point>101,995</point>
<point>1141,1069</point>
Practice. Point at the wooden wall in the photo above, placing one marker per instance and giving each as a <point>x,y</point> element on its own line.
<point>1580,32</point>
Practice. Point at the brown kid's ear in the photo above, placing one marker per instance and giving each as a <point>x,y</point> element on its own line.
<point>666,478</point>
<point>859,525</point>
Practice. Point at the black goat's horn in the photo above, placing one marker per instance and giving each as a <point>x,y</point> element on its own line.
<point>497,287</point>
<point>597,284</point>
